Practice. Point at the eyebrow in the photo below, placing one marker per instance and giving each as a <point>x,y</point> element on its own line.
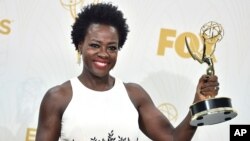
<point>101,42</point>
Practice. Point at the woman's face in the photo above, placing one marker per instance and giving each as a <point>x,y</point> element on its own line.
<point>99,49</point>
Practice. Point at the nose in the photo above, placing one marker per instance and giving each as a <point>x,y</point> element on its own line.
<point>103,52</point>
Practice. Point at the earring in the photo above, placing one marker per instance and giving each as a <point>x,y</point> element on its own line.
<point>79,58</point>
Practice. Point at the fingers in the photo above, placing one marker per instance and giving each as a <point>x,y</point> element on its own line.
<point>206,78</point>
<point>208,86</point>
<point>209,92</point>
<point>212,85</point>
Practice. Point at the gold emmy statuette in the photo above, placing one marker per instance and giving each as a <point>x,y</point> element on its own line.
<point>212,110</point>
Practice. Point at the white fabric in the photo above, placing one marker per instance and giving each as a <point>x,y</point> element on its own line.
<point>95,115</point>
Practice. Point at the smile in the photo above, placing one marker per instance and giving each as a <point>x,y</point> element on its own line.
<point>101,64</point>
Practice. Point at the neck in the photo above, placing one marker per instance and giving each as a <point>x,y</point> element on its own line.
<point>97,83</point>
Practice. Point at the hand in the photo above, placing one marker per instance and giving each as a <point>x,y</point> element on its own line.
<point>207,87</point>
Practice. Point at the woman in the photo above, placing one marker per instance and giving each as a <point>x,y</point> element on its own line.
<point>97,106</point>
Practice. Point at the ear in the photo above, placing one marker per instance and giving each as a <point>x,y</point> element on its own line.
<point>79,48</point>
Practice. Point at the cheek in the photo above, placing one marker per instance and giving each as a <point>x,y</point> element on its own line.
<point>114,56</point>
<point>85,57</point>
<point>87,53</point>
<point>114,59</point>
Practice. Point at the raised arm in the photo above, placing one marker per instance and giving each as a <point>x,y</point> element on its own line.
<point>155,125</point>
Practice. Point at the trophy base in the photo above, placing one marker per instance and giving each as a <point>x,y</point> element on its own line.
<point>212,111</point>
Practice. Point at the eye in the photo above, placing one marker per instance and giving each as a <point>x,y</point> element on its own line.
<point>113,48</point>
<point>94,45</point>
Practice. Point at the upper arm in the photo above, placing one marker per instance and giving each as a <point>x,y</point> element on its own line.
<point>151,121</point>
<point>51,109</point>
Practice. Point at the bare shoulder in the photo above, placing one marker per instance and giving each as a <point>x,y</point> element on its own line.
<point>134,89</point>
<point>58,96</point>
<point>60,90</point>
<point>137,94</point>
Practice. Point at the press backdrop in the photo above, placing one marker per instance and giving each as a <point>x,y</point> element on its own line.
<point>36,53</point>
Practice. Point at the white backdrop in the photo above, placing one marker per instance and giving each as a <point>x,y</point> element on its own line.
<point>36,53</point>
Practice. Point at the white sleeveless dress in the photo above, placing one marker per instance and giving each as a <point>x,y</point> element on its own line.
<point>99,115</point>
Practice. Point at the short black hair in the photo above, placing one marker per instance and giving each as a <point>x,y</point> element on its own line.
<point>100,13</point>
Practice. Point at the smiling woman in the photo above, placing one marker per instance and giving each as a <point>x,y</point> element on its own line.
<point>99,50</point>
<point>98,106</point>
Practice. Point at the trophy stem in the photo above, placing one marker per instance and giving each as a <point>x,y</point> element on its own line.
<point>210,69</point>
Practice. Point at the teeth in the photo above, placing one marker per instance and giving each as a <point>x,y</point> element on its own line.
<point>101,64</point>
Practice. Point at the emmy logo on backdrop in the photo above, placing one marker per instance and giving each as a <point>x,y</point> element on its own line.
<point>212,110</point>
